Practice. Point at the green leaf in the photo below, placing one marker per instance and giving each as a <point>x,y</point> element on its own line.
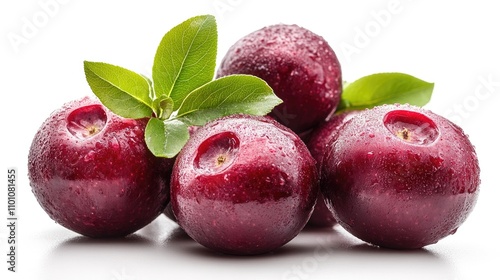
<point>150,85</point>
<point>166,138</point>
<point>185,58</point>
<point>124,92</point>
<point>226,96</point>
<point>165,107</point>
<point>385,88</point>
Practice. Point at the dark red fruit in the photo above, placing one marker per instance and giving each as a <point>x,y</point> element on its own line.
<point>91,171</point>
<point>243,185</point>
<point>168,210</point>
<point>318,145</point>
<point>321,216</point>
<point>401,177</point>
<point>299,65</point>
<point>321,138</point>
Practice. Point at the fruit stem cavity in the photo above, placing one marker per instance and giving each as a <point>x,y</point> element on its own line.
<point>404,134</point>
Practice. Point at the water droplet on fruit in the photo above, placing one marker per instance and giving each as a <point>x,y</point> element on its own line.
<point>282,181</point>
<point>89,156</point>
<point>75,158</point>
<point>437,162</point>
<point>122,192</point>
<point>115,144</point>
<point>99,145</point>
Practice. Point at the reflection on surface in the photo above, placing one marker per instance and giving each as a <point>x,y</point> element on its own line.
<point>163,249</point>
<point>119,259</point>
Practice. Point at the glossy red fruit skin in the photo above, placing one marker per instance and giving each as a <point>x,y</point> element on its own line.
<point>321,217</point>
<point>300,67</point>
<point>105,185</point>
<point>258,199</point>
<point>168,210</point>
<point>397,193</point>
<point>325,134</point>
<point>318,144</point>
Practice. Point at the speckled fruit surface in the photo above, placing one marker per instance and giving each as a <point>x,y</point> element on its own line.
<point>92,173</point>
<point>298,64</point>
<point>243,185</point>
<point>401,177</point>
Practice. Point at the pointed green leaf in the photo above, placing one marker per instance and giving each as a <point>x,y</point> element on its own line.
<point>166,138</point>
<point>185,58</point>
<point>124,92</point>
<point>385,88</point>
<point>228,95</point>
<point>150,84</point>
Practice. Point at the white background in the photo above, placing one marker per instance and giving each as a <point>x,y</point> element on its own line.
<point>453,44</point>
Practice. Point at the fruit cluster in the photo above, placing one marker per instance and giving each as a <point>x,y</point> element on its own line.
<point>247,179</point>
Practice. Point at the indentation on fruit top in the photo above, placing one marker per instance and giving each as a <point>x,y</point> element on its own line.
<point>411,127</point>
<point>217,153</point>
<point>87,121</point>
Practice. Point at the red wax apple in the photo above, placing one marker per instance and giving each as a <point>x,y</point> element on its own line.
<point>318,144</point>
<point>91,171</point>
<point>298,64</point>
<point>243,185</point>
<point>399,176</point>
